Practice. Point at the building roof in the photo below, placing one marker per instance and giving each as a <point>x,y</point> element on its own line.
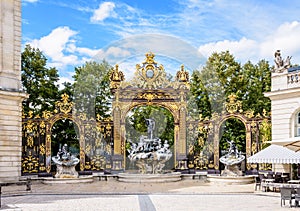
<point>275,154</point>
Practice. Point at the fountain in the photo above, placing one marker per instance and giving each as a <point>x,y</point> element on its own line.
<point>65,168</point>
<point>150,156</point>
<point>232,173</point>
<point>232,161</point>
<point>65,163</point>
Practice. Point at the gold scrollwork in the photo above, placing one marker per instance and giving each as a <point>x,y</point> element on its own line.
<point>30,164</point>
<point>42,149</point>
<point>233,105</point>
<point>30,141</point>
<point>98,162</point>
<point>46,114</point>
<point>201,161</point>
<point>65,106</point>
<point>249,114</point>
<point>42,127</point>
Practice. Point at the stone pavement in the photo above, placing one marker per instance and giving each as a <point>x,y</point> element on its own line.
<point>114,195</point>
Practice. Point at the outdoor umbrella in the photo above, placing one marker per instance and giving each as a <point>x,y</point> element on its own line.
<point>275,154</point>
<point>291,143</point>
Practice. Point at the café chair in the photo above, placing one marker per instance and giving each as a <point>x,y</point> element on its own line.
<point>286,194</point>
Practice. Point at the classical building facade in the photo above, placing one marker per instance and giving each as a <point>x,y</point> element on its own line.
<point>285,103</point>
<point>11,94</point>
<point>285,97</point>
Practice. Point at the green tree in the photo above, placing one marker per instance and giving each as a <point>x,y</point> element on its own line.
<point>258,79</point>
<point>200,96</point>
<point>39,81</point>
<point>91,89</point>
<point>65,131</point>
<point>67,88</point>
<point>222,76</point>
<point>233,129</point>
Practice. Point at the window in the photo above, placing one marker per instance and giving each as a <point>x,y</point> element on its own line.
<point>297,125</point>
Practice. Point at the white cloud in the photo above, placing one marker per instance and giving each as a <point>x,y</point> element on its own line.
<point>284,38</point>
<point>81,50</point>
<point>63,80</point>
<point>55,44</point>
<point>104,11</point>
<point>115,51</point>
<point>112,54</point>
<point>244,49</point>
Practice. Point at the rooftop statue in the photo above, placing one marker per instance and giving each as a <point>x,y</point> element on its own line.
<point>281,64</point>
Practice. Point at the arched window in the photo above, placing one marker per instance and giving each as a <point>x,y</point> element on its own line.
<point>297,124</point>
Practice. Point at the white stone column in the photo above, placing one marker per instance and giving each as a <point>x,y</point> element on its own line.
<point>11,95</point>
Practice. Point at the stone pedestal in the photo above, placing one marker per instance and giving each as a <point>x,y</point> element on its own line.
<point>117,164</point>
<point>65,172</point>
<point>232,170</point>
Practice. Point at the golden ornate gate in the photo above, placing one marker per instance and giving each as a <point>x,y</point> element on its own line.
<point>94,135</point>
<point>102,141</point>
<point>208,137</point>
<point>149,86</point>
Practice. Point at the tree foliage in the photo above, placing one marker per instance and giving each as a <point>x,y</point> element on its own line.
<point>39,81</point>
<point>91,89</point>
<point>222,76</point>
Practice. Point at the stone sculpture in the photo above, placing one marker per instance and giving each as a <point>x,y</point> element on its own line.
<point>149,154</point>
<point>231,160</point>
<point>65,163</point>
<point>281,64</point>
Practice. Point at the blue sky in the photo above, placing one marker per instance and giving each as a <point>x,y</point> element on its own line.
<point>178,31</point>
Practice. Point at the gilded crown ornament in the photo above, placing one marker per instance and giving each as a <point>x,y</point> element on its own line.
<point>182,75</point>
<point>116,77</point>
<point>149,75</point>
<point>233,105</point>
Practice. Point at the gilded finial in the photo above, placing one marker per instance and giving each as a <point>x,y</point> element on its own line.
<point>116,77</point>
<point>182,75</point>
<point>149,58</point>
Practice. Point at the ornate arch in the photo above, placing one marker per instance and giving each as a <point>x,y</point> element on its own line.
<point>211,129</point>
<point>149,86</point>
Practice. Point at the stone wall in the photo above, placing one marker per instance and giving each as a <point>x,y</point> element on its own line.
<point>11,94</point>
